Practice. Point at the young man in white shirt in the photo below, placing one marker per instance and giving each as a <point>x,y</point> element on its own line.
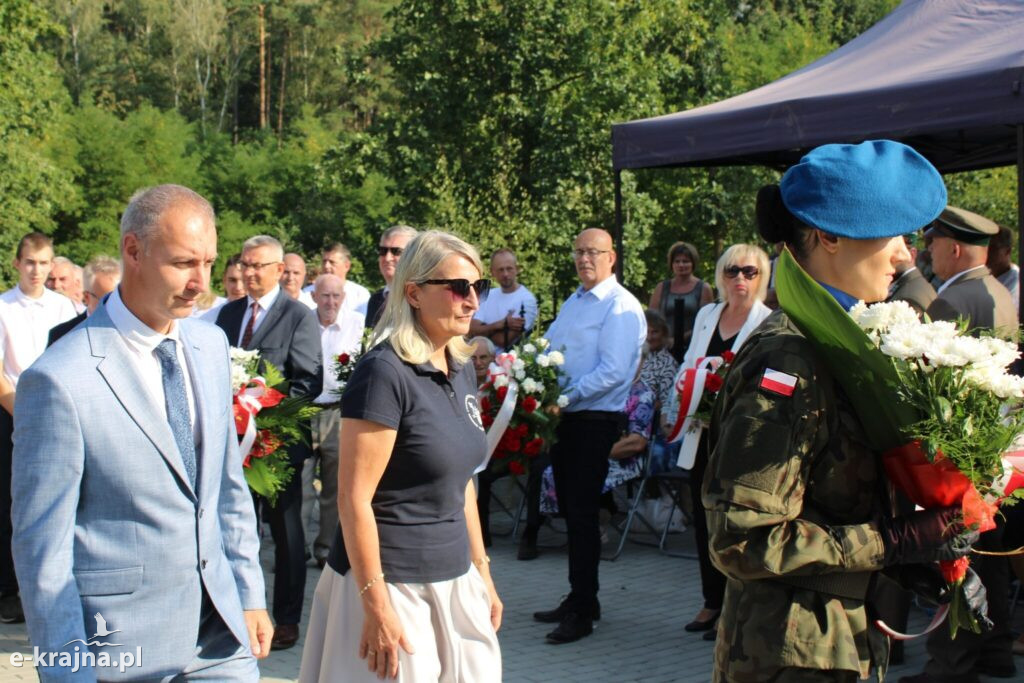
<point>509,312</point>
<point>27,312</point>
<point>337,260</point>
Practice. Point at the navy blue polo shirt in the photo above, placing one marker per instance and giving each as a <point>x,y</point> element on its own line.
<point>419,502</point>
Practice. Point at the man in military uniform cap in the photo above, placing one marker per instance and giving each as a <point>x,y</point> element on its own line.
<point>910,285</point>
<point>959,251</point>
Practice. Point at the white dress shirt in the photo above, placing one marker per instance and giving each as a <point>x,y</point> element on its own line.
<point>142,340</point>
<point>25,325</point>
<point>600,331</point>
<point>344,335</point>
<point>265,301</point>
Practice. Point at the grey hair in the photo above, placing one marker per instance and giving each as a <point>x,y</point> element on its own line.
<point>77,269</point>
<point>62,261</point>
<point>399,323</point>
<point>400,229</point>
<point>491,349</point>
<point>264,241</point>
<point>147,205</point>
<point>100,265</point>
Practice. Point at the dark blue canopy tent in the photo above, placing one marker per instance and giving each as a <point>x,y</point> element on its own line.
<point>944,76</point>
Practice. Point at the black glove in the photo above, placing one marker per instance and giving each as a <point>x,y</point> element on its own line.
<point>976,599</point>
<point>925,581</point>
<point>926,536</point>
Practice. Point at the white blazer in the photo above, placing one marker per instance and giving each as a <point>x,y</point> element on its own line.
<point>703,329</point>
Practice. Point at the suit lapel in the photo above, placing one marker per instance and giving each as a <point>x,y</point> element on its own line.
<point>116,366</point>
<point>231,322</point>
<point>275,312</point>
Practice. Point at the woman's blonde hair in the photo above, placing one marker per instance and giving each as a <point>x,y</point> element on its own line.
<point>732,257</point>
<point>399,323</point>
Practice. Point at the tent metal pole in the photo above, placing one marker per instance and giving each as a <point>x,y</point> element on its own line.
<point>620,262</point>
<point>1020,206</point>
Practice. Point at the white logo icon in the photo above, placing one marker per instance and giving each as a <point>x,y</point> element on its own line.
<point>101,632</point>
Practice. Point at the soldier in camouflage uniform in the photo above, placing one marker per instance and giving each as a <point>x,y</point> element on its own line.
<point>796,499</point>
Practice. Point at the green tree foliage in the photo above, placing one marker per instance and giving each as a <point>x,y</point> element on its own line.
<point>35,176</point>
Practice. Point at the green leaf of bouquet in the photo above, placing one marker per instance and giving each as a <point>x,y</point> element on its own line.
<point>260,479</point>
<point>865,373</point>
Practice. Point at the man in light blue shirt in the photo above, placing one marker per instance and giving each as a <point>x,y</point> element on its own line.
<point>600,329</point>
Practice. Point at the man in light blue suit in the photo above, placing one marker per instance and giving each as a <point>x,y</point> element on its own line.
<point>134,531</point>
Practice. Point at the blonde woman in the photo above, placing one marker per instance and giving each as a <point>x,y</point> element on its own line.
<point>407,592</point>
<point>741,275</point>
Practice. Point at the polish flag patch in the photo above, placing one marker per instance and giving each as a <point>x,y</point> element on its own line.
<point>778,382</point>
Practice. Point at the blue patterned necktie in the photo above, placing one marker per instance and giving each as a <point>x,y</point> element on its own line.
<point>176,402</point>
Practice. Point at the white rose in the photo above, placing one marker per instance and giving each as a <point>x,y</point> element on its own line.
<point>520,375</point>
<point>556,358</point>
<point>518,365</point>
<point>500,381</point>
<point>529,348</point>
<point>543,361</point>
<point>562,401</point>
<point>542,343</point>
<point>529,385</point>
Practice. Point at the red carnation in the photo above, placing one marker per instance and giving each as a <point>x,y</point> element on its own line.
<point>532,448</point>
<point>501,393</point>
<point>343,358</point>
<point>522,431</point>
<point>516,467</point>
<point>728,356</point>
<point>713,383</point>
<point>954,571</point>
<point>529,404</point>
<point>486,419</point>
<point>510,441</point>
<point>485,405</point>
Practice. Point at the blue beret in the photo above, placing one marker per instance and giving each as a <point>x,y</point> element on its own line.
<point>878,188</point>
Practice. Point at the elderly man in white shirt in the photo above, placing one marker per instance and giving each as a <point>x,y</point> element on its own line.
<point>341,331</point>
<point>27,312</point>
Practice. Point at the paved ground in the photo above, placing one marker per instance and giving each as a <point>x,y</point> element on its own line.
<point>646,598</point>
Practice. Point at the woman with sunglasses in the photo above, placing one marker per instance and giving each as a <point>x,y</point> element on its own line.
<point>798,510</point>
<point>740,276</point>
<point>408,572</point>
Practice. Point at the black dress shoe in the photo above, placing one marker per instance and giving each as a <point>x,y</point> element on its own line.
<point>556,615</point>
<point>527,549</point>
<point>570,629</point>
<point>698,626</point>
<point>285,636</point>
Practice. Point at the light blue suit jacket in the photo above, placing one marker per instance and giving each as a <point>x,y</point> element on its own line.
<point>105,519</point>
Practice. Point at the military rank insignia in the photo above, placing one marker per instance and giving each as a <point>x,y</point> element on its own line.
<point>778,382</point>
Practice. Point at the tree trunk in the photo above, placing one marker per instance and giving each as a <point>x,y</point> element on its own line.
<point>280,96</point>
<point>263,66</point>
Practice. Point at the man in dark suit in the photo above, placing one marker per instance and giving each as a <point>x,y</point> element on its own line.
<point>910,285</point>
<point>969,292</point>
<point>392,244</point>
<point>100,276</point>
<point>286,334</point>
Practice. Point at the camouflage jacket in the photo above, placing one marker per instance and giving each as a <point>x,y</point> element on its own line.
<point>791,491</point>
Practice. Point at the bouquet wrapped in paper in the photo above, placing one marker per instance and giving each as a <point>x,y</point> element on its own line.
<point>936,402</point>
<point>531,373</point>
<point>267,420</point>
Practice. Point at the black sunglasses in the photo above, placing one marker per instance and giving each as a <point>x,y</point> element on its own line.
<point>749,272</point>
<point>395,251</point>
<point>460,286</point>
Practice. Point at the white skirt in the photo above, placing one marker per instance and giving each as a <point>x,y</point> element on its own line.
<point>448,624</point>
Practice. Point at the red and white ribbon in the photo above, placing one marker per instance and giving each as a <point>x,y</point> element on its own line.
<point>248,398</point>
<point>690,387</point>
<point>938,618</point>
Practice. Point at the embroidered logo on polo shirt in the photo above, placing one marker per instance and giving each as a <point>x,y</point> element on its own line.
<point>473,410</point>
